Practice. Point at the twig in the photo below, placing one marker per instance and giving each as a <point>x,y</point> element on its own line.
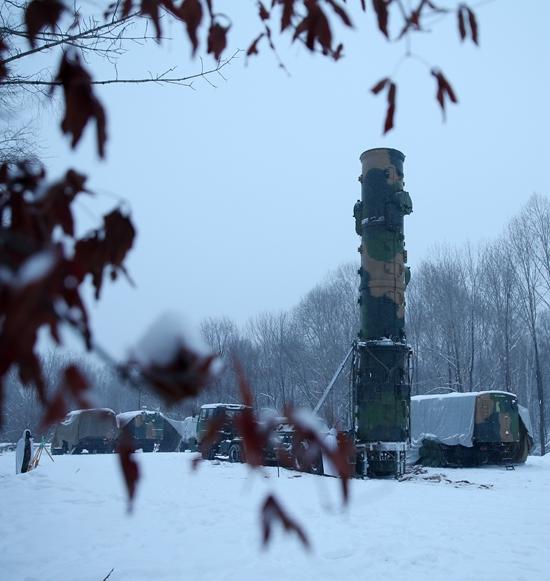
<point>159,79</point>
<point>67,39</point>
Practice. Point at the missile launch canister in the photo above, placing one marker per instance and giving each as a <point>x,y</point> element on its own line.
<point>381,388</point>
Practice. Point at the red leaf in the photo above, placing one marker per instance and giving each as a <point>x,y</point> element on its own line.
<point>127,6</point>
<point>344,17</point>
<point>130,468</point>
<point>473,25</point>
<point>443,89</point>
<point>381,9</point>
<point>81,105</point>
<point>380,85</point>
<point>185,376</point>
<point>464,11</point>
<point>217,39</point>
<point>253,48</point>
<point>41,14</point>
<point>150,8</point>
<point>338,52</point>
<point>317,28</point>
<point>263,12</point>
<point>288,13</point>
<point>105,247</point>
<point>191,13</point>
<point>461,23</point>
<point>55,204</point>
<point>273,512</point>
<point>310,446</point>
<point>119,234</point>
<point>390,112</point>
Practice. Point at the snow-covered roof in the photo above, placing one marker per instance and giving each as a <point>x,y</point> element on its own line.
<point>231,406</point>
<point>125,417</point>
<point>466,394</point>
<point>70,417</point>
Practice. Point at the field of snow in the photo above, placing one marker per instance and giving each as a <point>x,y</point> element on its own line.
<point>67,521</point>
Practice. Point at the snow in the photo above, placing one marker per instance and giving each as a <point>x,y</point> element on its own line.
<point>126,417</point>
<point>163,339</point>
<point>35,268</point>
<point>230,406</point>
<point>71,416</point>
<point>469,524</point>
<point>460,394</point>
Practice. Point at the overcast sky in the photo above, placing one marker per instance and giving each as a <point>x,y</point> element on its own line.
<point>243,193</point>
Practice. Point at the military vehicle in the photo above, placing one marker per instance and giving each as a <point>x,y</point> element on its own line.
<point>469,429</point>
<point>149,430</point>
<point>381,387</point>
<point>92,430</point>
<point>228,444</point>
<point>380,356</point>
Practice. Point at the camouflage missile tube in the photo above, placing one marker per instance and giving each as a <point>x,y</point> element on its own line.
<point>381,384</point>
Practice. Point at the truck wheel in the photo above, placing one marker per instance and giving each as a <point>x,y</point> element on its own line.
<point>235,453</point>
<point>431,454</point>
<point>523,450</point>
<point>210,454</point>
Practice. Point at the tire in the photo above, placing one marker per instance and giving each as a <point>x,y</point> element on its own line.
<point>210,453</point>
<point>431,455</point>
<point>235,453</point>
<point>523,450</point>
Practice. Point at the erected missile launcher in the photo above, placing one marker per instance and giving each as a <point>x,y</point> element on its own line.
<point>381,387</point>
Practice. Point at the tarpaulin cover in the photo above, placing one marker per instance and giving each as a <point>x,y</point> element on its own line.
<point>152,426</point>
<point>447,419</point>
<point>186,428</point>
<point>81,424</point>
<point>526,419</point>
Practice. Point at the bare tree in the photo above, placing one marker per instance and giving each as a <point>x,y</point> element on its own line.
<point>529,285</point>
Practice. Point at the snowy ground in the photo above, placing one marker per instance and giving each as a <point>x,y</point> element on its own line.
<point>67,521</point>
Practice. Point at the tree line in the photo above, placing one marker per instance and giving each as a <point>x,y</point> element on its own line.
<point>477,318</point>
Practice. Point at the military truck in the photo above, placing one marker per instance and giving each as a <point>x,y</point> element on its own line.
<point>469,429</point>
<point>228,444</point>
<point>93,430</point>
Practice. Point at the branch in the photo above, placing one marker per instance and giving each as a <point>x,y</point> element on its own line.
<point>70,38</point>
<point>157,79</point>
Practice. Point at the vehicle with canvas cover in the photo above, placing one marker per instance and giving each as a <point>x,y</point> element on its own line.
<point>93,430</point>
<point>469,429</point>
<point>149,430</point>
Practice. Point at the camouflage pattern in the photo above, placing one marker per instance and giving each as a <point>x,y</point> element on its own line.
<point>382,391</point>
<point>496,418</point>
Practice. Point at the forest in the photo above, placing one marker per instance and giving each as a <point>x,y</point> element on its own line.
<point>477,318</point>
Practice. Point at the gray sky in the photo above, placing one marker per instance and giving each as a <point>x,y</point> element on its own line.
<point>243,194</point>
